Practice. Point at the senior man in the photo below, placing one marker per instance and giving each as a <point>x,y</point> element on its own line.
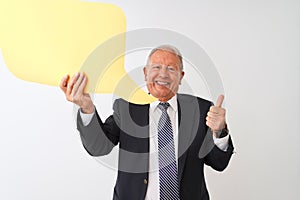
<point>161,143</point>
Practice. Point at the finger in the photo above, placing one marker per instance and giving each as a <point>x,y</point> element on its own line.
<point>220,100</point>
<point>210,124</point>
<point>71,84</point>
<point>82,86</point>
<point>211,120</point>
<point>75,91</point>
<point>64,82</point>
<point>217,110</point>
<point>214,118</point>
<point>214,125</point>
<point>212,114</point>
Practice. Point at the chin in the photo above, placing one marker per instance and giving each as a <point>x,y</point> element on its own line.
<point>162,95</point>
<point>160,92</point>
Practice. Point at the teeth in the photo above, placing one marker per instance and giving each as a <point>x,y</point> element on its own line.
<point>162,83</point>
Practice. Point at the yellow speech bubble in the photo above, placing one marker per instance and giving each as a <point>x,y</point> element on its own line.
<point>43,40</point>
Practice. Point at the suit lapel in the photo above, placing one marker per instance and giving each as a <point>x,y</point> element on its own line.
<point>140,117</point>
<point>187,127</point>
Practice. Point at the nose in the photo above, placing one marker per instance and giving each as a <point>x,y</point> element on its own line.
<point>163,72</point>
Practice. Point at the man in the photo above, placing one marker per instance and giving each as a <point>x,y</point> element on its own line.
<point>164,144</point>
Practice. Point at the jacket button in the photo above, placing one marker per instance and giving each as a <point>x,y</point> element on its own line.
<point>145,181</point>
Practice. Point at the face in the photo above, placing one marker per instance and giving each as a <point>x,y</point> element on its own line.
<point>163,75</point>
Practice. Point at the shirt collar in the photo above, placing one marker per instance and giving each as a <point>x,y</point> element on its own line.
<point>172,102</point>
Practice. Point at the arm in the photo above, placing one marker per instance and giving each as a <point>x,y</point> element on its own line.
<point>97,137</point>
<point>218,157</point>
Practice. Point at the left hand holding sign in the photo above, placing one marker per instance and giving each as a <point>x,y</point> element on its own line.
<point>74,91</point>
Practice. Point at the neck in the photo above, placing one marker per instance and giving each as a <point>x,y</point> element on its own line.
<point>165,99</point>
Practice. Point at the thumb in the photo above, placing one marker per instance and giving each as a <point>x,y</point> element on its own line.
<point>63,83</point>
<point>220,100</point>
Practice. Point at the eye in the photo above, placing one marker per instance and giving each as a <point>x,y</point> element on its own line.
<point>171,69</point>
<point>156,67</point>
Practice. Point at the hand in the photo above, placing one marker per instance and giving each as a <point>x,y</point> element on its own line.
<point>74,91</point>
<point>215,119</point>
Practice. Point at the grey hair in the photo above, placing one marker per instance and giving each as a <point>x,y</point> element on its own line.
<point>166,47</point>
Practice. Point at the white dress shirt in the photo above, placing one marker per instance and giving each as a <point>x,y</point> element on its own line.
<point>154,115</point>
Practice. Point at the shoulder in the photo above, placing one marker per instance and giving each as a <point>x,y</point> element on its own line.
<point>124,104</point>
<point>122,101</point>
<point>192,98</point>
<point>131,114</point>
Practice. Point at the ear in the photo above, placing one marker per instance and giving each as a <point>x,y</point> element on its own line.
<point>145,73</point>
<point>181,76</point>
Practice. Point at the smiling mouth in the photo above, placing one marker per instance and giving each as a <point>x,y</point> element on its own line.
<point>162,83</point>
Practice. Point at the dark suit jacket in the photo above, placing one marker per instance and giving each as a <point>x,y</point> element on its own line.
<point>129,127</point>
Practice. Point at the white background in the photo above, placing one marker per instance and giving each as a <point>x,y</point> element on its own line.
<point>255,45</point>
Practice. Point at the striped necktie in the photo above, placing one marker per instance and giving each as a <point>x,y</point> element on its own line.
<point>168,175</point>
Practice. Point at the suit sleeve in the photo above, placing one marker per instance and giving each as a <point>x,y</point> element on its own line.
<point>214,156</point>
<point>217,158</point>
<point>99,138</point>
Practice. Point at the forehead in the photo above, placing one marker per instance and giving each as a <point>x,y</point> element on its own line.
<point>165,57</point>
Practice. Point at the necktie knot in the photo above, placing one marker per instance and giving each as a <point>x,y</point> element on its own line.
<point>163,106</point>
